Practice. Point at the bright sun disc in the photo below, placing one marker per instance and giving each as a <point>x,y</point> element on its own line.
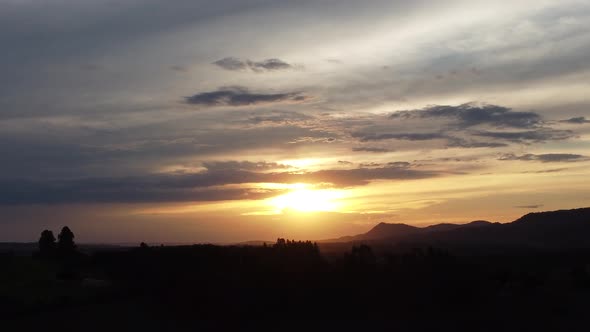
<point>307,200</point>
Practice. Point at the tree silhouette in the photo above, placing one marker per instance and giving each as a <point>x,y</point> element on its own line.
<point>362,254</point>
<point>47,243</point>
<point>65,242</point>
<point>281,243</point>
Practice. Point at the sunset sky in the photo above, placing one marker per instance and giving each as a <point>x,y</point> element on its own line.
<point>233,120</point>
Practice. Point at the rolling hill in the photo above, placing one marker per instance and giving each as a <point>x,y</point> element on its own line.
<point>563,229</point>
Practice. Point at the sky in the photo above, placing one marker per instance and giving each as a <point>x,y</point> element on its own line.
<point>232,120</point>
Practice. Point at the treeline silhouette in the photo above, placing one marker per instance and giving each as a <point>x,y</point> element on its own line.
<point>64,247</point>
<point>174,287</point>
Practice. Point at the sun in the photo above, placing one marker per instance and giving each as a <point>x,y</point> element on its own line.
<point>303,199</point>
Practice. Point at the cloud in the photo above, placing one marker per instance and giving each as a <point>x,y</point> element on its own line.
<point>207,185</point>
<point>545,158</point>
<point>235,64</point>
<point>363,176</point>
<point>371,164</point>
<point>456,142</point>
<point>551,170</point>
<point>535,206</point>
<point>401,164</point>
<point>451,140</point>
<point>576,120</point>
<point>365,137</point>
<point>107,191</point>
<point>238,96</point>
<point>472,114</point>
<point>370,149</point>
<point>178,68</point>
<point>462,126</point>
<point>243,165</point>
<point>309,139</point>
<point>280,117</point>
<point>540,135</point>
<point>394,164</point>
<point>231,63</point>
<point>269,64</point>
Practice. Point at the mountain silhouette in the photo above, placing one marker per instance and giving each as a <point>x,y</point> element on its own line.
<point>389,231</point>
<point>554,230</point>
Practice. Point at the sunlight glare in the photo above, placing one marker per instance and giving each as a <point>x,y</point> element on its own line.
<point>303,199</point>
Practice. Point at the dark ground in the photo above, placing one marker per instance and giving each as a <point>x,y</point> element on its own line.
<point>206,287</point>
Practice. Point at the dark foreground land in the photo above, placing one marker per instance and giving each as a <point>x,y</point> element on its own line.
<point>205,286</point>
<point>354,286</point>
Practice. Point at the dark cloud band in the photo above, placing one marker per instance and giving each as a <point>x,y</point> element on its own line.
<point>545,158</point>
<point>528,136</point>
<point>238,96</point>
<point>576,120</point>
<point>235,64</point>
<point>202,186</point>
<point>472,114</point>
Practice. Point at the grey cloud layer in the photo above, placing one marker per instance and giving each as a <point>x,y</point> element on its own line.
<point>238,96</point>
<point>535,206</point>
<point>529,136</point>
<point>235,64</point>
<point>465,125</point>
<point>577,120</point>
<point>401,136</point>
<point>546,158</point>
<point>243,165</point>
<point>66,152</point>
<point>203,186</point>
<point>370,149</point>
<point>71,152</point>
<point>469,115</point>
<point>540,46</point>
<point>280,117</point>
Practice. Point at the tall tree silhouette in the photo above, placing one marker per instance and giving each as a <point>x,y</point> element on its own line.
<point>65,242</point>
<point>47,243</point>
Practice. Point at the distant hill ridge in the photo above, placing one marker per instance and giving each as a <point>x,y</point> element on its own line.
<point>553,229</point>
